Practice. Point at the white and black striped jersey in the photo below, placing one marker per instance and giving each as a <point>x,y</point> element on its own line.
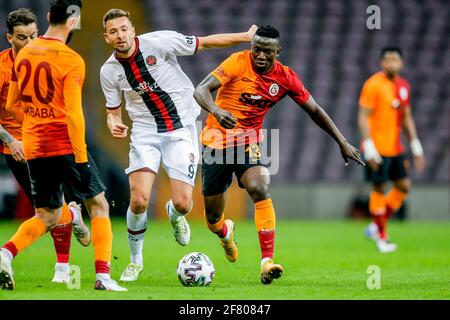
<point>157,91</point>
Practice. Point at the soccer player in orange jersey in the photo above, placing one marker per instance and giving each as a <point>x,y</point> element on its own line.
<point>22,29</point>
<point>384,111</point>
<point>249,84</point>
<point>47,78</point>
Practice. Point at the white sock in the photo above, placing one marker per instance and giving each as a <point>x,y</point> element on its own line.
<point>174,214</point>
<point>63,265</point>
<point>8,254</point>
<point>264,260</point>
<point>76,215</point>
<point>137,224</point>
<point>102,275</point>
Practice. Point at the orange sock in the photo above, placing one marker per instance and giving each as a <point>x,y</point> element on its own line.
<point>265,225</point>
<point>28,232</point>
<point>394,200</point>
<point>62,235</point>
<point>102,242</point>
<point>219,228</point>
<point>377,208</point>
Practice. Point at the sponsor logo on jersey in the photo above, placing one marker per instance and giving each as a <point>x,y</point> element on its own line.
<point>274,89</point>
<point>151,60</point>
<point>145,87</point>
<point>254,100</point>
<point>403,93</point>
<point>191,157</point>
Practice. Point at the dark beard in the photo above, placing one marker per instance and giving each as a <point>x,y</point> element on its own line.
<point>69,37</point>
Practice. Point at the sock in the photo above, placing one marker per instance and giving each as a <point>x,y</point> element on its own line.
<point>377,208</point>
<point>219,228</point>
<point>62,235</point>
<point>102,242</point>
<point>137,225</point>
<point>174,214</point>
<point>394,200</point>
<point>28,232</point>
<point>265,225</point>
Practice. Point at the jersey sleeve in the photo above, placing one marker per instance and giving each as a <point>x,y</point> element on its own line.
<point>174,43</point>
<point>73,84</point>
<point>13,92</point>
<point>297,90</point>
<point>111,91</point>
<point>228,69</point>
<point>367,99</point>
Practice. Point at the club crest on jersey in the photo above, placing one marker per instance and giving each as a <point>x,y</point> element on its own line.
<point>151,60</point>
<point>274,89</point>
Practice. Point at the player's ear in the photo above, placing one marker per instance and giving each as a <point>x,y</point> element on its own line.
<point>9,37</point>
<point>105,36</point>
<point>134,31</point>
<point>72,22</point>
<point>278,51</point>
<point>48,17</point>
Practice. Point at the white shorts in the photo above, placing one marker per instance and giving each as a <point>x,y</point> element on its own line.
<point>177,149</point>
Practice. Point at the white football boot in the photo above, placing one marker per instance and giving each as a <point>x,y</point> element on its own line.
<point>180,226</point>
<point>62,273</point>
<point>6,272</point>
<point>79,228</point>
<point>131,272</point>
<point>385,246</point>
<point>104,282</point>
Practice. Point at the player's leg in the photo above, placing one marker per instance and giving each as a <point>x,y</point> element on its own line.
<point>402,184</point>
<point>47,197</point>
<point>141,183</point>
<point>256,181</point>
<point>93,197</point>
<point>377,206</point>
<point>62,233</point>
<point>216,178</point>
<point>179,152</point>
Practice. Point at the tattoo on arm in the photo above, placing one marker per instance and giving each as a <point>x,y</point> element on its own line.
<point>5,137</point>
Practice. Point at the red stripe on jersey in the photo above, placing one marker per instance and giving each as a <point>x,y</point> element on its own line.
<point>159,104</point>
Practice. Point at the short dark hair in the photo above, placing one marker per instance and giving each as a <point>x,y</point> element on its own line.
<point>268,32</point>
<point>20,17</point>
<point>114,14</point>
<point>391,49</point>
<point>60,10</point>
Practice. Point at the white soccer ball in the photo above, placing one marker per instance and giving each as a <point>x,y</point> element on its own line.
<point>195,270</point>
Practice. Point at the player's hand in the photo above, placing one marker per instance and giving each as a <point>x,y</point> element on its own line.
<point>350,152</point>
<point>225,118</point>
<point>119,130</point>
<point>251,32</point>
<point>17,153</point>
<point>419,163</point>
<point>84,169</point>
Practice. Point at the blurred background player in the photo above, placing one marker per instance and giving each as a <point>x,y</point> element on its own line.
<point>249,84</point>
<point>50,76</point>
<point>159,101</point>
<point>384,111</point>
<point>22,28</point>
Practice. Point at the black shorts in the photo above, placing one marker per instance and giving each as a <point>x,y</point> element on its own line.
<point>218,166</point>
<point>392,168</point>
<point>20,172</point>
<point>50,175</point>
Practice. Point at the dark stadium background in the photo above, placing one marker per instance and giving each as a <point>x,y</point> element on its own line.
<point>328,44</point>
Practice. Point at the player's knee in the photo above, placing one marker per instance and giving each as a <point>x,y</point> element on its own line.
<point>50,219</point>
<point>404,186</point>
<point>259,192</point>
<point>139,204</point>
<point>97,206</point>
<point>182,204</point>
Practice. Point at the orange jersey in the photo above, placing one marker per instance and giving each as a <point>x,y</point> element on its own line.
<point>48,77</point>
<point>249,95</point>
<point>7,121</point>
<point>387,99</point>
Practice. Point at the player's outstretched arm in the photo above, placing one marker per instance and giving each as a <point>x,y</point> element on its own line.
<point>115,124</point>
<point>225,39</point>
<point>411,132</point>
<point>321,118</point>
<point>203,96</point>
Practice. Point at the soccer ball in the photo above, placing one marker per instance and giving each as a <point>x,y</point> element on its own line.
<point>195,270</point>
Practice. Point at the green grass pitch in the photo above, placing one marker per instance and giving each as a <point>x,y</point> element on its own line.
<point>321,260</point>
